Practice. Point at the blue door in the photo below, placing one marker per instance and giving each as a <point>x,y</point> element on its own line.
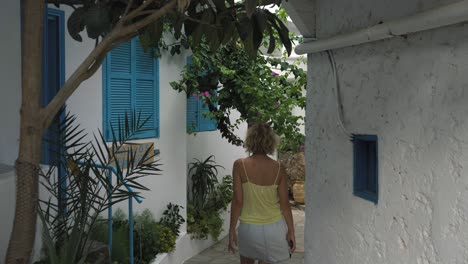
<point>53,77</point>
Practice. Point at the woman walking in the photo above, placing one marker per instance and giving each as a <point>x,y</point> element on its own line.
<point>261,203</point>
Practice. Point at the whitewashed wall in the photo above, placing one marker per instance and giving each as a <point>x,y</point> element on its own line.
<point>10,101</point>
<point>203,144</point>
<point>175,146</point>
<point>412,93</point>
<point>200,146</point>
<point>86,103</point>
<point>10,76</point>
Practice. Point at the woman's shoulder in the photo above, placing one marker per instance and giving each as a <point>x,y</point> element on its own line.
<point>238,161</point>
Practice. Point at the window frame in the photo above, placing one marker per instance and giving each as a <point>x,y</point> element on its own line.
<point>47,157</point>
<point>365,167</point>
<point>155,131</point>
<point>200,111</point>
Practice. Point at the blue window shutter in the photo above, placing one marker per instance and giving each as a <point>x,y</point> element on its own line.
<point>192,108</point>
<point>196,109</point>
<point>206,123</point>
<point>371,183</point>
<point>131,83</point>
<point>118,85</point>
<point>146,90</point>
<point>192,114</point>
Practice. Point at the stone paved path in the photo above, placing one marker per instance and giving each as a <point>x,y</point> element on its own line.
<point>218,253</point>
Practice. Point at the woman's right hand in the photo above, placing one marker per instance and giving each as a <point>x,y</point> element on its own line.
<point>291,238</point>
<point>232,246</point>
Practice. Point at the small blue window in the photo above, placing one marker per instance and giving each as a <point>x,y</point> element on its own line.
<point>131,83</point>
<point>366,180</point>
<point>197,121</point>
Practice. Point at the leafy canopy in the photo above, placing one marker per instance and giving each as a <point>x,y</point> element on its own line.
<point>262,89</point>
<point>215,21</point>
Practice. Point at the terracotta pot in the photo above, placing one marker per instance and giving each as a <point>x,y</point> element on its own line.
<point>298,192</point>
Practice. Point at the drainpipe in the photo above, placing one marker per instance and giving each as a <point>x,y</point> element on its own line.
<point>434,18</point>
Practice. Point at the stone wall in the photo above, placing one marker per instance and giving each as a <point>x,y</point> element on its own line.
<point>294,165</point>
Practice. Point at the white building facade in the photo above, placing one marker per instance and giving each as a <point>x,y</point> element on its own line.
<point>176,148</point>
<point>409,92</point>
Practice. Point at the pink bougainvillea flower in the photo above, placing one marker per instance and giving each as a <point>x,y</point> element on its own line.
<point>195,96</point>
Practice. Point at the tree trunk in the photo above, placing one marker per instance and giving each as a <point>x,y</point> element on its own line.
<point>31,131</point>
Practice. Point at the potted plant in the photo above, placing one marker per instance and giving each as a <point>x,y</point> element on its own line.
<point>291,156</point>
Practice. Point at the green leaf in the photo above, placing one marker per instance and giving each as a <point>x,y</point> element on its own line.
<point>97,20</point>
<point>214,40</point>
<point>202,29</point>
<point>177,23</point>
<point>259,24</point>
<point>245,29</point>
<point>220,5</point>
<point>152,35</point>
<point>269,2</point>
<point>261,20</point>
<point>272,41</point>
<point>190,27</point>
<point>282,30</point>
<point>229,28</point>
<point>75,23</point>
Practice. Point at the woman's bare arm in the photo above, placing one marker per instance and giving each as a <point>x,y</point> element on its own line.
<point>236,204</point>
<point>286,207</point>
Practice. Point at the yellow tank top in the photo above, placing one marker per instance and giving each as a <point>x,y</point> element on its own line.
<point>260,203</point>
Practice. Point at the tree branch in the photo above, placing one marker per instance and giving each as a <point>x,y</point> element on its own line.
<point>65,2</point>
<point>199,21</point>
<point>94,60</point>
<point>136,12</point>
<point>93,68</point>
<point>146,21</point>
<point>48,113</point>
<point>127,9</point>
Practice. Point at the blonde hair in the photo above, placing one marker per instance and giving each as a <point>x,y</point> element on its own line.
<point>261,139</point>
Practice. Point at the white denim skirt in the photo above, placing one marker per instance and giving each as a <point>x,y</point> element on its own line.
<point>264,242</point>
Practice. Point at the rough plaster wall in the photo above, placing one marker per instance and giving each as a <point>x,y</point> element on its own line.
<point>336,16</point>
<point>413,94</point>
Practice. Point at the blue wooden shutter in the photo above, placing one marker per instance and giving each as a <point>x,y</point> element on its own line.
<point>206,123</point>
<point>196,120</point>
<point>131,83</point>
<point>146,90</point>
<point>192,114</point>
<point>118,78</point>
<point>192,108</point>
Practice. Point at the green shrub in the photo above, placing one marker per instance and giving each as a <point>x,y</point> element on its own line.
<point>120,242</point>
<point>202,223</point>
<point>172,218</point>
<point>292,142</point>
<point>203,180</point>
<point>206,221</point>
<point>150,236</point>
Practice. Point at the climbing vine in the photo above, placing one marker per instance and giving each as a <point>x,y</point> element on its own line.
<point>263,89</point>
